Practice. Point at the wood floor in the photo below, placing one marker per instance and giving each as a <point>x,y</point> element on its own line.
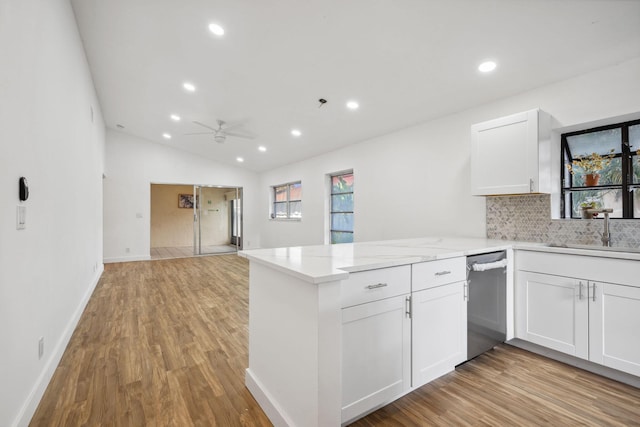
<point>164,343</point>
<point>187,251</point>
<point>161,343</point>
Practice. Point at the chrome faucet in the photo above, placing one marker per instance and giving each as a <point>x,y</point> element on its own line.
<point>606,235</point>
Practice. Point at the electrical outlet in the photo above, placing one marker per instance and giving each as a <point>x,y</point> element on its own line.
<point>40,347</point>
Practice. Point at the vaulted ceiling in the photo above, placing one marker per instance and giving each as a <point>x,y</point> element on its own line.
<point>403,61</point>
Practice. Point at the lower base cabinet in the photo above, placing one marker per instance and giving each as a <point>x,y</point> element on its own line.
<point>553,312</point>
<point>589,319</point>
<point>439,338</point>
<point>614,327</point>
<point>413,332</point>
<point>376,355</point>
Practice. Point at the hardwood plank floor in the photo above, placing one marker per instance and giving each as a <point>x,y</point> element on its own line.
<point>164,343</point>
<point>187,251</point>
<point>508,386</point>
<point>161,343</point>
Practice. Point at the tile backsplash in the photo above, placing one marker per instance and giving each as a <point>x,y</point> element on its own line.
<point>528,218</point>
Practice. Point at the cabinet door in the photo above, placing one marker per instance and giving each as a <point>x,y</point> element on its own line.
<point>553,311</point>
<point>504,155</point>
<point>376,354</point>
<point>438,331</point>
<point>614,326</point>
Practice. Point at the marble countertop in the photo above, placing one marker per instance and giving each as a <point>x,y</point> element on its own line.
<point>584,250</point>
<point>324,263</point>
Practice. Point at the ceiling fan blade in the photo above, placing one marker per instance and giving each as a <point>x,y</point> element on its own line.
<point>200,133</point>
<point>228,126</point>
<point>239,135</point>
<point>206,126</point>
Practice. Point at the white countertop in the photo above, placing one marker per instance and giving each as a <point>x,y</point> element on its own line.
<point>584,250</point>
<point>324,263</point>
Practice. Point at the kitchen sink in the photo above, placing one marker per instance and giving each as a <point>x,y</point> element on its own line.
<point>593,247</point>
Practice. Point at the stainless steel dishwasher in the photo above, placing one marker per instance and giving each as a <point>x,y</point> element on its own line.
<point>486,304</point>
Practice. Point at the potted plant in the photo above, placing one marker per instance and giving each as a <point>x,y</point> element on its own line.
<point>590,166</point>
<point>589,204</point>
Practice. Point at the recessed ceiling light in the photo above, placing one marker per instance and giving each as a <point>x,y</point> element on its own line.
<point>353,105</point>
<point>296,132</point>
<point>175,117</point>
<point>487,66</point>
<point>262,148</point>
<point>166,136</point>
<point>189,86</point>
<point>216,29</point>
<point>239,159</point>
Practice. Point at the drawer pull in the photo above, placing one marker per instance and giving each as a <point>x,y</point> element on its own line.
<point>443,273</point>
<point>376,286</point>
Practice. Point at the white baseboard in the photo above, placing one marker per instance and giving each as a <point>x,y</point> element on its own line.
<point>266,401</point>
<point>33,400</point>
<point>127,259</point>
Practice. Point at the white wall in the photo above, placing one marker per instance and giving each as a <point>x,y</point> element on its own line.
<point>48,270</point>
<point>133,164</point>
<point>415,182</point>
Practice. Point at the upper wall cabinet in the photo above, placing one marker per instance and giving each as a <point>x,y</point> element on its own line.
<point>511,155</point>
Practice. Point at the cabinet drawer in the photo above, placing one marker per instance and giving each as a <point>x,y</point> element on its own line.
<point>367,286</point>
<point>430,274</point>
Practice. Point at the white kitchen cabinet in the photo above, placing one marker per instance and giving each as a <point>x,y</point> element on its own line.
<point>376,354</point>
<point>511,155</point>
<point>553,312</point>
<point>614,326</point>
<point>376,339</point>
<point>439,331</point>
<point>585,317</point>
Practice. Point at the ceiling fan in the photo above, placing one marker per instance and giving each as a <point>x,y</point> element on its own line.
<point>221,132</point>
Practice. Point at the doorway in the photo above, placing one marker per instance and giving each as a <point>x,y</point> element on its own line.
<point>217,224</point>
<point>193,220</point>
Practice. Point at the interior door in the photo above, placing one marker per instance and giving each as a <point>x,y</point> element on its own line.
<point>217,219</point>
<point>235,217</point>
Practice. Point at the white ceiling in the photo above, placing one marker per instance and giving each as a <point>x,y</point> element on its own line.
<point>404,61</point>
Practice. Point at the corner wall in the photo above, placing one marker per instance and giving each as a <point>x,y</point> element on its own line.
<point>51,132</point>
<point>416,181</point>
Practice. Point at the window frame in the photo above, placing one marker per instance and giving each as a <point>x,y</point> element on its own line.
<point>287,202</point>
<point>331,209</point>
<point>626,157</point>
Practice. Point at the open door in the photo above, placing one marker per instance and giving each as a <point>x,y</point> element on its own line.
<point>217,219</point>
<point>235,207</point>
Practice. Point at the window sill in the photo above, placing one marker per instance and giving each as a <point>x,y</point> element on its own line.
<point>286,219</point>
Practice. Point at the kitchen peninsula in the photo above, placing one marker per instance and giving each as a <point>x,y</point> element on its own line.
<point>302,298</point>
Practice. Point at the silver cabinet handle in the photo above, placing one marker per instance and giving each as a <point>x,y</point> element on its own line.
<point>466,291</point>
<point>594,292</point>
<point>580,291</point>
<point>442,273</point>
<point>376,286</point>
<point>407,307</point>
<point>530,185</point>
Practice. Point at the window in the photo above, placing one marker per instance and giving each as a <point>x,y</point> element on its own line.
<point>342,208</point>
<point>287,201</point>
<point>615,151</point>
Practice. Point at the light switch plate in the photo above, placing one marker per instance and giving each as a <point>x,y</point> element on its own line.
<point>21,217</point>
